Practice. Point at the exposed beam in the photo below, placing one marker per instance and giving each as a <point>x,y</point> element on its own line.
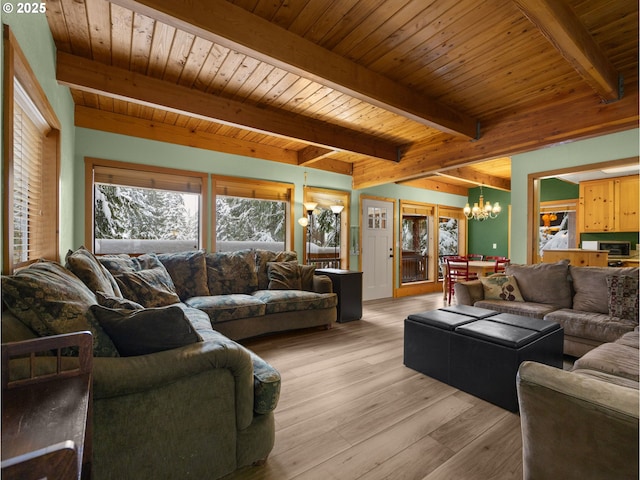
<point>431,184</point>
<point>560,25</point>
<point>138,127</point>
<point>577,117</point>
<point>469,175</point>
<point>312,154</point>
<point>221,22</point>
<point>94,77</point>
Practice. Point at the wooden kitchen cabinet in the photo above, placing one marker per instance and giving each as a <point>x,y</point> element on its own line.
<point>626,191</point>
<point>577,257</point>
<point>609,205</point>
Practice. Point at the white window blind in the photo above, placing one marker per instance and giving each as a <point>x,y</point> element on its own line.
<point>30,235</point>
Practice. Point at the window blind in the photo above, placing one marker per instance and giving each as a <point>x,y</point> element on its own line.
<point>34,228</point>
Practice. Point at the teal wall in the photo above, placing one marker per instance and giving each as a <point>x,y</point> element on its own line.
<point>93,143</point>
<point>35,40</point>
<point>556,189</point>
<point>600,149</point>
<point>483,235</point>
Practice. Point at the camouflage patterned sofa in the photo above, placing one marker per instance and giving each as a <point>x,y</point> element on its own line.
<point>172,397</point>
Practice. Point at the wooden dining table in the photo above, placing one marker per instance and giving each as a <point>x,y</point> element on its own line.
<point>480,267</point>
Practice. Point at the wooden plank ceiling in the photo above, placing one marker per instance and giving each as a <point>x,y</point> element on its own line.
<point>436,93</point>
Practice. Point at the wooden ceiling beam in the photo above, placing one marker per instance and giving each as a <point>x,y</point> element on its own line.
<point>221,22</point>
<point>96,119</point>
<point>312,154</point>
<point>94,77</point>
<point>431,184</point>
<point>577,117</point>
<point>560,25</point>
<point>472,176</point>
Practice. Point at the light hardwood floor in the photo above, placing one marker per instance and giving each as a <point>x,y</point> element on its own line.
<point>349,409</point>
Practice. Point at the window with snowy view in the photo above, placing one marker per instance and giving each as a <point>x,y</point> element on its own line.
<point>141,220</point>
<point>250,223</point>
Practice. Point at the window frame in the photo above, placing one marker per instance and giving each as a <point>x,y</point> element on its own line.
<point>136,169</point>
<point>16,67</point>
<point>255,189</point>
<point>428,211</point>
<point>327,197</point>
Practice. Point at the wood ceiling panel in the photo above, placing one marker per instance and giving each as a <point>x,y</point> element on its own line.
<point>484,59</point>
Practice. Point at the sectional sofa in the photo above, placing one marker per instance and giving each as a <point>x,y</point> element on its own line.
<point>173,395</point>
<point>594,305</point>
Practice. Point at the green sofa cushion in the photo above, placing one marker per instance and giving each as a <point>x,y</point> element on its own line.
<point>222,308</point>
<point>94,275</point>
<point>188,270</point>
<point>278,301</point>
<point>231,272</point>
<point>51,300</point>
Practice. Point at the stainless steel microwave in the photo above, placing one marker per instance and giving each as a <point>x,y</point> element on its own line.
<point>615,248</point>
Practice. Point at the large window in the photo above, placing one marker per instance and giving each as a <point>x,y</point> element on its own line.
<point>31,166</point>
<point>140,209</point>
<point>252,214</point>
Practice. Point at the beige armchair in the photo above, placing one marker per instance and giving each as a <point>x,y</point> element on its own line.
<point>576,427</point>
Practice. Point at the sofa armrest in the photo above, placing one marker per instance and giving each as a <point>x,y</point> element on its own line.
<point>468,293</point>
<point>576,427</point>
<point>128,375</point>
<point>322,284</point>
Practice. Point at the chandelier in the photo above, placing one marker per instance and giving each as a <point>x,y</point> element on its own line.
<point>481,210</point>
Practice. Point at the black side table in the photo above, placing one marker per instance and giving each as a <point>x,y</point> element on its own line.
<point>348,285</point>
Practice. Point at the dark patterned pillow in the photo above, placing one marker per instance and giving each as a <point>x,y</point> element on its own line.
<point>263,257</point>
<point>188,270</point>
<point>117,302</point>
<point>123,263</point>
<point>140,332</point>
<point>284,276</point>
<point>50,300</point>
<point>307,273</point>
<point>150,288</point>
<point>231,272</point>
<point>623,297</point>
<point>87,268</point>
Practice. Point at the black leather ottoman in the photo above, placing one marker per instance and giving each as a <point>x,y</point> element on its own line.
<point>427,337</point>
<point>485,354</point>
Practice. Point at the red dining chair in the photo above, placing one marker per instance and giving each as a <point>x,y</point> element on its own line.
<point>457,271</point>
<point>501,264</point>
<point>475,256</point>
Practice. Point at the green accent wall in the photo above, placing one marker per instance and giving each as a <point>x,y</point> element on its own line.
<point>483,235</point>
<point>556,189</point>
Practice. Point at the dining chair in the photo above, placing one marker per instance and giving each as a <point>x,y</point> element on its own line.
<point>501,264</point>
<point>457,271</point>
<point>475,256</point>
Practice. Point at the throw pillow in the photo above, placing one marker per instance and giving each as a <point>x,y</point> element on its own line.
<point>623,297</point>
<point>307,273</point>
<point>140,332</point>
<point>284,276</point>
<point>501,287</point>
<point>231,272</point>
<point>51,300</point>
<point>544,282</point>
<point>149,288</point>
<point>261,260</point>
<point>117,302</point>
<point>94,275</point>
<point>188,270</point>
